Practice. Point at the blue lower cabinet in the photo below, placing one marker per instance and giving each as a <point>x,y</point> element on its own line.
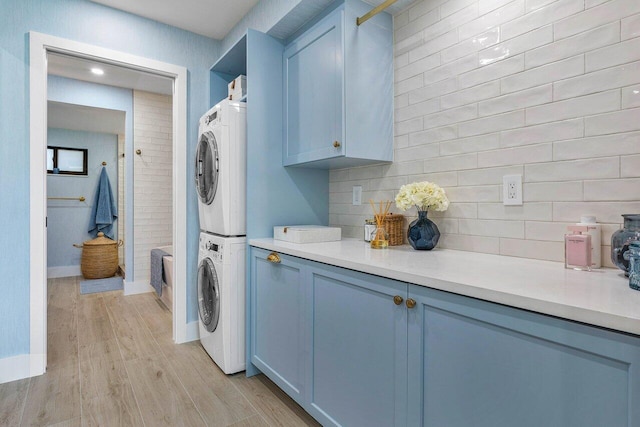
<point>359,349</point>
<point>278,321</point>
<point>482,364</point>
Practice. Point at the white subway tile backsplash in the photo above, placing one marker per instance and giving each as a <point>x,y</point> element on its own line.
<point>631,96</point>
<point>552,191</point>
<point>470,145</point>
<point>433,135</point>
<point>526,98</point>
<point>548,89</point>
<point>417,110</point>
<point>545,74</point>
<point>471,95</point>
<point>433,90</point>
<point>487,245</point>
<point>509,156</point>
<point>597,81</point>
<point>542,133</point>
<point>492,19</point>
<point>483,227</point>
<point>483,193</point>
<point>513,119</point>
<point>487,176</point>
<point>516,45</point>
<point>574,107</point>
<point>527,212</point>
<point>581,43</point>
<point>474,44</point>
<point>423,151</point>
<point>491,72</point>
<point>605,13</point>
<point>608,167</point>
<point>612,189</point>
<point>630,166</point>
<point>606,212</point>
<point>541,16</point>
<point>431,47</point>
<point>598,146</point>
<point>548,231</point>
<point>453,115</point>
<point>451,163</point>
<point>620,53</point>
<point>619,121</point>
<point>550,251</point>
<point>630,27</point>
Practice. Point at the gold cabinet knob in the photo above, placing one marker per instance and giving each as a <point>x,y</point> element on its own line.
<point>274,258</point>
<point>411,303</point>
<point>397,300</point>
<point>336,144</point>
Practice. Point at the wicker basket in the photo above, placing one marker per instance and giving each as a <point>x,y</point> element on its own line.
<point>394,226</point>
<point>99,257</point>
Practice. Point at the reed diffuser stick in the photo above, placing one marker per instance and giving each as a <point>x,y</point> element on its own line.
<point>379,239</point>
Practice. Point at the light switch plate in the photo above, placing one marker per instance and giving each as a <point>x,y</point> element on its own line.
<point>357,195</point>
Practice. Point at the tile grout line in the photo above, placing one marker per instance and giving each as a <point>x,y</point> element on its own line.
<point>133,391</point>
<point>24,402</point>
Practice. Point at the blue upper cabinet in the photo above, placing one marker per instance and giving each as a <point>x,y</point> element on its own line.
<point>338,91</point>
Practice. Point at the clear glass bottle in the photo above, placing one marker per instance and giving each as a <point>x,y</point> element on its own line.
<point>634,265</point>
<point>379,238</point>
<point>620,241</point>
<point>369,227</point>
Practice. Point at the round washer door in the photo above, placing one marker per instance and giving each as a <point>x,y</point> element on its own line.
<point>208,295</point>
<point>207,165</point>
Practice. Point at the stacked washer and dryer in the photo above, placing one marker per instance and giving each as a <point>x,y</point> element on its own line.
<point>220,174</point>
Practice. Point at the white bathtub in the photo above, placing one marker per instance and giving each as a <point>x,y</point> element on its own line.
<point>167,287</point>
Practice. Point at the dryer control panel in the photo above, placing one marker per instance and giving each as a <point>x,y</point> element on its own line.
<point>213,249</point>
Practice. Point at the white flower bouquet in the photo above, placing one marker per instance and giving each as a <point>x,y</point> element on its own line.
<point>423,195</point>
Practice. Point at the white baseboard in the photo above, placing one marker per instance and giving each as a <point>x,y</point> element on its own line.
<point>22,366</point>
<point>193,331</point>
<point>132,288</point>
<point>64,271</point>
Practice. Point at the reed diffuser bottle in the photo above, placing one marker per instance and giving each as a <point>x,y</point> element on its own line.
<point>379,236</point>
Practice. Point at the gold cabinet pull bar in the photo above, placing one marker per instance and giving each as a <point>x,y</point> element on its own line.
<point>373,12</point>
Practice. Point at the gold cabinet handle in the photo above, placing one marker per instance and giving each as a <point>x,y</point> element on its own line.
<point>274,258</point>
<point>397,300</point>
<point>411,303</point>
<point>336,144</point>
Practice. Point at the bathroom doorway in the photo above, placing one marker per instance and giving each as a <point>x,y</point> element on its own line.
<point>41,46</point>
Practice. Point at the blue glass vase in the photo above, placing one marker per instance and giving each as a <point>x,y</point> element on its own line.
<point>423,234</point>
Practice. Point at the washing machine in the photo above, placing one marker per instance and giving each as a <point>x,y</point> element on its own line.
<point>221,300</point>
<point>220,169</point>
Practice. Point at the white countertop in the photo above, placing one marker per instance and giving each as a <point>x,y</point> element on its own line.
<point>601,297</point>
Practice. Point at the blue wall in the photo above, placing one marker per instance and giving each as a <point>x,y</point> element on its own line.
<point>68,220</point>
<point>95,24</point>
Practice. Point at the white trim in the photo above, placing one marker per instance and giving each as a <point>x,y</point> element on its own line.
<point>16,368</point>
<point>64,271</point>
<point>139,287</point>
<point>39,45</point>
<point>193,331</point>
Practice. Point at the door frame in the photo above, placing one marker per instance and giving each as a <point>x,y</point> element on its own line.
<point>39,45</point>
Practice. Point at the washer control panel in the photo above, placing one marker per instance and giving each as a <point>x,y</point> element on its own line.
<point>213,249</point>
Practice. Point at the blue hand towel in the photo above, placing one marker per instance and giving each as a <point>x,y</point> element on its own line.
<point>104,211</point>
<point>157,270</point>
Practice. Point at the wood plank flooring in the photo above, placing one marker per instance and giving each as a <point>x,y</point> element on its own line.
<point>112,362</point>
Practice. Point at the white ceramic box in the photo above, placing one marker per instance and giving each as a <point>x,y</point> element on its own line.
<point>307,233</point>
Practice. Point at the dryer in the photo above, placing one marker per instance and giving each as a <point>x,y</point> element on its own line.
<point>220,169</point>
<point>221,300</point>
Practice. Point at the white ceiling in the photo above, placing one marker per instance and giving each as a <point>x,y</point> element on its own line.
<point>80,69</point>
<point>211,18</point>
<point>89,119</point>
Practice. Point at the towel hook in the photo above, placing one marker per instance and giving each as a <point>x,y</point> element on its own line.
<point>138,151</point>
<point>104,163</point>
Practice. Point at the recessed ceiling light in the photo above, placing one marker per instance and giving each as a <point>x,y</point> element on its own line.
<point>97,71</point>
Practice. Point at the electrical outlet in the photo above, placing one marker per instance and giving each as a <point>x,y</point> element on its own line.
<point>357,195</point>
<point>512,190</point>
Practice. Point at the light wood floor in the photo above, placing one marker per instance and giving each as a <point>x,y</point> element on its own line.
<point>112,362</point>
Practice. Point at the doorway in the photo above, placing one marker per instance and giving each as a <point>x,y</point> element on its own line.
<point>40,46</point>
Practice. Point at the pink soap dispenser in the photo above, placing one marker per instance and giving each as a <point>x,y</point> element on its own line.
<point>577,248</point>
